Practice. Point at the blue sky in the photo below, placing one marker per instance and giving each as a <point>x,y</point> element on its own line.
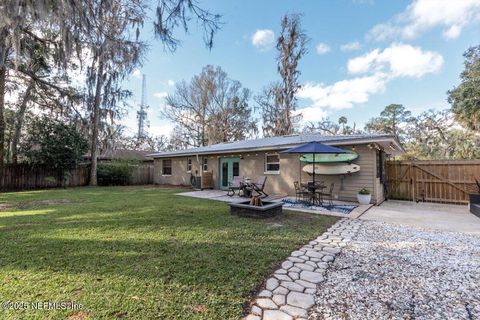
<point>363,55</point>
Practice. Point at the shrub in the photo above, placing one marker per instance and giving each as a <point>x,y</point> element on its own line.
<point>364,191</point>
<point>115,173</point>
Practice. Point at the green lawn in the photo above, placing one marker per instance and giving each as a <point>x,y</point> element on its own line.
<point>138,253</point>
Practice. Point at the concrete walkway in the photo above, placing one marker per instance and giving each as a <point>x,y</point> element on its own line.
<point>432,216</point>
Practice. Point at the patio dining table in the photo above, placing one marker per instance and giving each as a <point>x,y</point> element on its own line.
<point>314,189</point>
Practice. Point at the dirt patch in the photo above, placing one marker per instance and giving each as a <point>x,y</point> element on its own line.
<point>6,206</point>
<point>48,202</point>
<point>80,315</point>
<point>199,308</point>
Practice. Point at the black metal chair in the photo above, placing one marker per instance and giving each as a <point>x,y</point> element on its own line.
<point>300,192</point>
<point>328,195</point>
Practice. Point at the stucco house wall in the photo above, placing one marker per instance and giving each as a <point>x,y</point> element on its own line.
<point>252,165</point>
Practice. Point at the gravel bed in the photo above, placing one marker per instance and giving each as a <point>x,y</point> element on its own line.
<point>397,272</point>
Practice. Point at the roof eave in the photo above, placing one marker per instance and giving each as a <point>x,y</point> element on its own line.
<point>341,142</point>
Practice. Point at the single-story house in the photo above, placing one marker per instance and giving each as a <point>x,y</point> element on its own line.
<point>259,157</point>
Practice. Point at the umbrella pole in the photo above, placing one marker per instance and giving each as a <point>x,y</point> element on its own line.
<point>300,170</point>
<point>314,169</point>
<point>313,186</point>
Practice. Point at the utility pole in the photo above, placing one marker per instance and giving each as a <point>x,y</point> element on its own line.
<point>142,113</point>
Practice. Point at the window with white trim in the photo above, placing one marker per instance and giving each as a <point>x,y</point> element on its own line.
<point>205,164</point>
<point>272,163</point>
<point>189,165</point>
<point>167,167</point>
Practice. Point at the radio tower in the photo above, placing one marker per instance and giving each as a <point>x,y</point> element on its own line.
<point>142,113</point>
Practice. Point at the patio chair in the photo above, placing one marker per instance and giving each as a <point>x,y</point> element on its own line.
<point>328,195</point>
<point>300,192</point>
<point>259,187</point>
<point>236,184</point>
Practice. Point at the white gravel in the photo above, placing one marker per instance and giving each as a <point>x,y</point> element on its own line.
<point>396,272</point>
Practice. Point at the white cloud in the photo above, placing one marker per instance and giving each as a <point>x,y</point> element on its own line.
<point>322,48</point>
<point>263,39</point>
<point>137,73</point>
<point>171,83</point>
<point>311,114</point>
<point>373,71</point>
<point>423,15</point>
<point>342,94</point>
<point>398,60</point>
<point>160,95</point>
<point>350,46</point>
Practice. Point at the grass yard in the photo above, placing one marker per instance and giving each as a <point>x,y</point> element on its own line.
<point>138,253</point>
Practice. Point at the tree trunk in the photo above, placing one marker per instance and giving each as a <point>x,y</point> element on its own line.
<point>19,121</point>
<point>96,120</point>
<point>3,78</point>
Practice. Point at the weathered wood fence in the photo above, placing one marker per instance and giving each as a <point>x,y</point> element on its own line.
<point>27,177</point>
<point>142,174</point>
<point>432,181</point>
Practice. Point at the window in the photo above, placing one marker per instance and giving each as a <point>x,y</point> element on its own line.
<point>189,165</point>
<point>167,167</point>
<point>272,163</point>
<point>205,164</point>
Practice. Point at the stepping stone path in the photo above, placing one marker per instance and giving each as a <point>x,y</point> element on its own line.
<point>290,292</point>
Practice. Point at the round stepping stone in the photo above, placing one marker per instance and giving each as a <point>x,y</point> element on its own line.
<point>301,300</point>
<point>252,317</point>
<point>276,315</point>
<point>311,276</point>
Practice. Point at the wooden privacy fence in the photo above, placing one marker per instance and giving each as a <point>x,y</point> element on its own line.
<point>27,177</point>
<point>448,181</point>
<point>142,174</point>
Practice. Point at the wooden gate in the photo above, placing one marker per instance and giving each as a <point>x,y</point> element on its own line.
<point>432,181</point>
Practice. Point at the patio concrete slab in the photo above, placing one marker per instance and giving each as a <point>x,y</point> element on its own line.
<point>221,195</point>
<point>434,216</point>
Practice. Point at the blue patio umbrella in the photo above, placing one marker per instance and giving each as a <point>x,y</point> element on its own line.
<point>315,147</point>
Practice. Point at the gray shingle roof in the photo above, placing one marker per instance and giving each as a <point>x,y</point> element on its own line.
<point>275,143</point>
